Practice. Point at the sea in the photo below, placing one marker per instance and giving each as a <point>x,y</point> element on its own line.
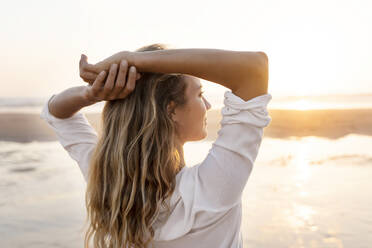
<point>303,191</point>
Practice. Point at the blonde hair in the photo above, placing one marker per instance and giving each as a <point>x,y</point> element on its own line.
<point>133,168</point>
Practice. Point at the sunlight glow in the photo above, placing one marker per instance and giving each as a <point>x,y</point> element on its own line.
<point>300,216</point>
<point>302,105</point>
<point>301,163</point>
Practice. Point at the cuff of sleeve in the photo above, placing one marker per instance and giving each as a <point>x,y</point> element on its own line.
<point>253,111</point>
<point>46,115</point>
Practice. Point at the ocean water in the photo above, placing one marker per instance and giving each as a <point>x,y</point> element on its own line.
<point>358,101</point>
<point>303,192</point>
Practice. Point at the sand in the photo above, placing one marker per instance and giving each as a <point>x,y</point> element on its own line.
<point>332,124</point>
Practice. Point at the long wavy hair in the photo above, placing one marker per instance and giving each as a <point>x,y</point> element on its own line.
<point>133,168</point>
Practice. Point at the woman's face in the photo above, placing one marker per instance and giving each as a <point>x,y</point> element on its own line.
<point>191,118</point>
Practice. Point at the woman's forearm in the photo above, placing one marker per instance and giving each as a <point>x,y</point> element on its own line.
<point>68,102</point>
<point>228,68</point>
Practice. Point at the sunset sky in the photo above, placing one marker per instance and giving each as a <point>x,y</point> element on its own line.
<point>314,47</point>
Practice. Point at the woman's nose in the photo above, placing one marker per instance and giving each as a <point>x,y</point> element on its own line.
<point>207,104</point>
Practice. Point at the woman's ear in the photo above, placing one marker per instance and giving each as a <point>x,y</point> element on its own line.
<point>171,110</point>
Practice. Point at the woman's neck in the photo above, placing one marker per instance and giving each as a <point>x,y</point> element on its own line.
<point>179,147</point>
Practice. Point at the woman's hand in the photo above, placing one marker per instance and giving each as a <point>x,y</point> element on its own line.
<point>105,89</point>
<point>105,64</point>
<point>89,72</point>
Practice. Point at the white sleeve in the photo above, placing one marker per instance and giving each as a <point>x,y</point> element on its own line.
<point>220,179</point>
<point>75,134</point>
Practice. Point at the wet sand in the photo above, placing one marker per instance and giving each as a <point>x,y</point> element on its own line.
<point>332,124</point>
<point>308,192</point>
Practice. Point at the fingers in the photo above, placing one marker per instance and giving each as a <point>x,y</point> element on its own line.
<point>83,60</point>
<point>99,82</point>
<point>130,84</point>
<point>138,76</point>
<point>94,91</point>
<point>83,63</point>
<point>88,77</point>
<point>110,81</point>
<point>91,68</point>
<point>121,79</point>
<point>110,89</point>
<point>85,67</point>
<point>89,72</point>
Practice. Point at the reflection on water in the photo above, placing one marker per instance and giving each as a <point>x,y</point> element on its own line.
<point>306,192</point>
<point>290,201</point>
<point>300,216</point>
<point>301,162</point>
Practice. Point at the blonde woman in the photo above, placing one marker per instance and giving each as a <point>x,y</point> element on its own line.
<point>140,192</point>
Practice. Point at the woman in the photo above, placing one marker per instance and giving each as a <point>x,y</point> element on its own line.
<point>139,191</point>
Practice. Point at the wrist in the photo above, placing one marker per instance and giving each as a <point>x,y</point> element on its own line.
<point>105,64</point>
<point>86,97</point>
<point>131,57</point>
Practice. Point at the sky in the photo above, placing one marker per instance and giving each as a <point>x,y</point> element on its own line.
<point>316,47</point>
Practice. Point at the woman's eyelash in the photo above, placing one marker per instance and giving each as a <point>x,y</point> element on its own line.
<point>201,93</point>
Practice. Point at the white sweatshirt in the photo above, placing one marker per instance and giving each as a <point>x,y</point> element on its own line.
<point>207,201</point>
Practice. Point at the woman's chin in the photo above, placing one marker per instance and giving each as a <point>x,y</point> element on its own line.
<point>205,133</point>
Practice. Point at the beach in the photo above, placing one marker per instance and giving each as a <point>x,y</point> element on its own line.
<point>310,185</point>
<point>303,192</point>
<point>331,124</point>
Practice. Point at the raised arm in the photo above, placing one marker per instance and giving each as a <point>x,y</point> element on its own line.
<point>245,73</point>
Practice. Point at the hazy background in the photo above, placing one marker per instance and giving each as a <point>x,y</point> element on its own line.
<point>311,185</point>
<point>314,47</point>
